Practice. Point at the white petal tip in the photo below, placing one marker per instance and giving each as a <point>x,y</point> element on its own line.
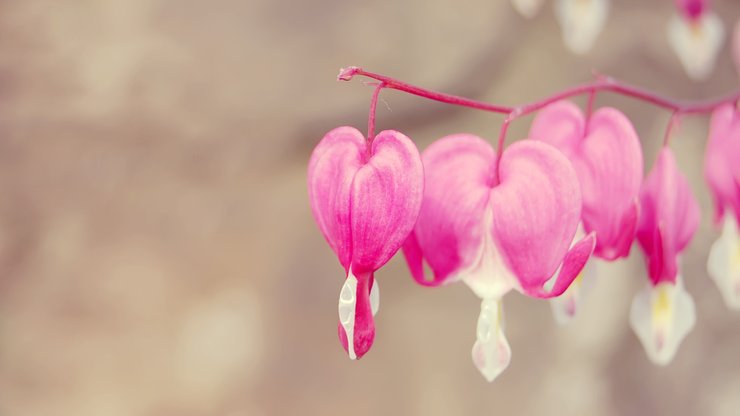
<point>347,307</point>
<point>661,317</point>
<point>581,22</point>
<point>375,297</point>
<point>697,44</point>
<point>723,265</point>
<point>491,352</point>
<point>527,8</point>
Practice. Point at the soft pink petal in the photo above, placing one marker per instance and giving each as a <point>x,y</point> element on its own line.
<point>607,158</point>
<point>562,125</point>
<point>386,198</point>
<point>610,170</point>
<point>536,210</point>
<point>669,217</point>
<point>721,167</point>
<point>365,203</point>
<point>574,261</point>
<point>449,231</point>
<point>334,163</point>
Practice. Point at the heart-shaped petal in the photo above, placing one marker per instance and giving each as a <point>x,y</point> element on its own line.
<point>536,211</point>
<point>365,201</point>
<point>607,157</point>
<point>697,42</point>
<point>669,218</point>
<point>581,22</point>
<point>721,167</point>
<point>495,237</point>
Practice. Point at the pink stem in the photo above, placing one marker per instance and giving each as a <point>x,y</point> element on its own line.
<point>371,114</point>
<point>672,123</point>
<point>346,74</point>
<point>601,84</point>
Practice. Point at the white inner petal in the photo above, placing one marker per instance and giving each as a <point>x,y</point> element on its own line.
<point>527,8</point>
<point>347,309</point>
<point>375,297</point>
<point>491,351</point>
<point>488,276</point>
<point>697,44</point>
<point>581,22</point>
<point>724,262</point>
<point>661,317</point>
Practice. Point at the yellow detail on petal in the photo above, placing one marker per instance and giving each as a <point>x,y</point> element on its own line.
<point>662,307</point>
<point>736,259</point>
<point>579,279</point>
<point>696,29</point>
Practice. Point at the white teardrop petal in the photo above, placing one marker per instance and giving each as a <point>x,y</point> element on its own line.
<point>581,22</point>
<point>527,8</point>
<point>723,264</point>
<point>661,317</point>
<point>697,43</point>
<point>375,297</point>
<point>347,310</point>
<point>491,351</point>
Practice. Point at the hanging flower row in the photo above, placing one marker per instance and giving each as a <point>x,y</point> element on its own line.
<point>527,217</point>
<point>695,32</point>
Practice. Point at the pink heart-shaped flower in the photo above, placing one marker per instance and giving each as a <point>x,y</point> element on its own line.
<point>514,233</point>
<point>669,218</point>
<point>606,154</point>
<point>365,199</point>
<point>663,313</point>
<point>525,223</point>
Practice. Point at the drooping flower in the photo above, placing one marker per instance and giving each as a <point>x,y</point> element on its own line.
<point>497,228</point>
<point>663,313</point>
<point>365,198</point>
<point>527,8</point>
<point>581,22</point>
<point>696,34</point>
<point>722,171</point>
<point>606,154</point>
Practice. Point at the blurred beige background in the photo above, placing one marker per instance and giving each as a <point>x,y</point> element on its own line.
<point>157,252</point>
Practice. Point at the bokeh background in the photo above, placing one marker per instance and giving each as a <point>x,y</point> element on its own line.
<point>157,251</point>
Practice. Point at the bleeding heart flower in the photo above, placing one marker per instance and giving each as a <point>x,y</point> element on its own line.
<point>696,36</point>
<point>605,152</point>
<point>581,22</point>
<point>722,171</point>
<point>663,313</point>
<point>497,228</point>
<point>365,198</point>
<point>527,8</point>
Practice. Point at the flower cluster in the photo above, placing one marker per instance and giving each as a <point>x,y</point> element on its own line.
<point>695,32</point>
<point>526,218</point>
